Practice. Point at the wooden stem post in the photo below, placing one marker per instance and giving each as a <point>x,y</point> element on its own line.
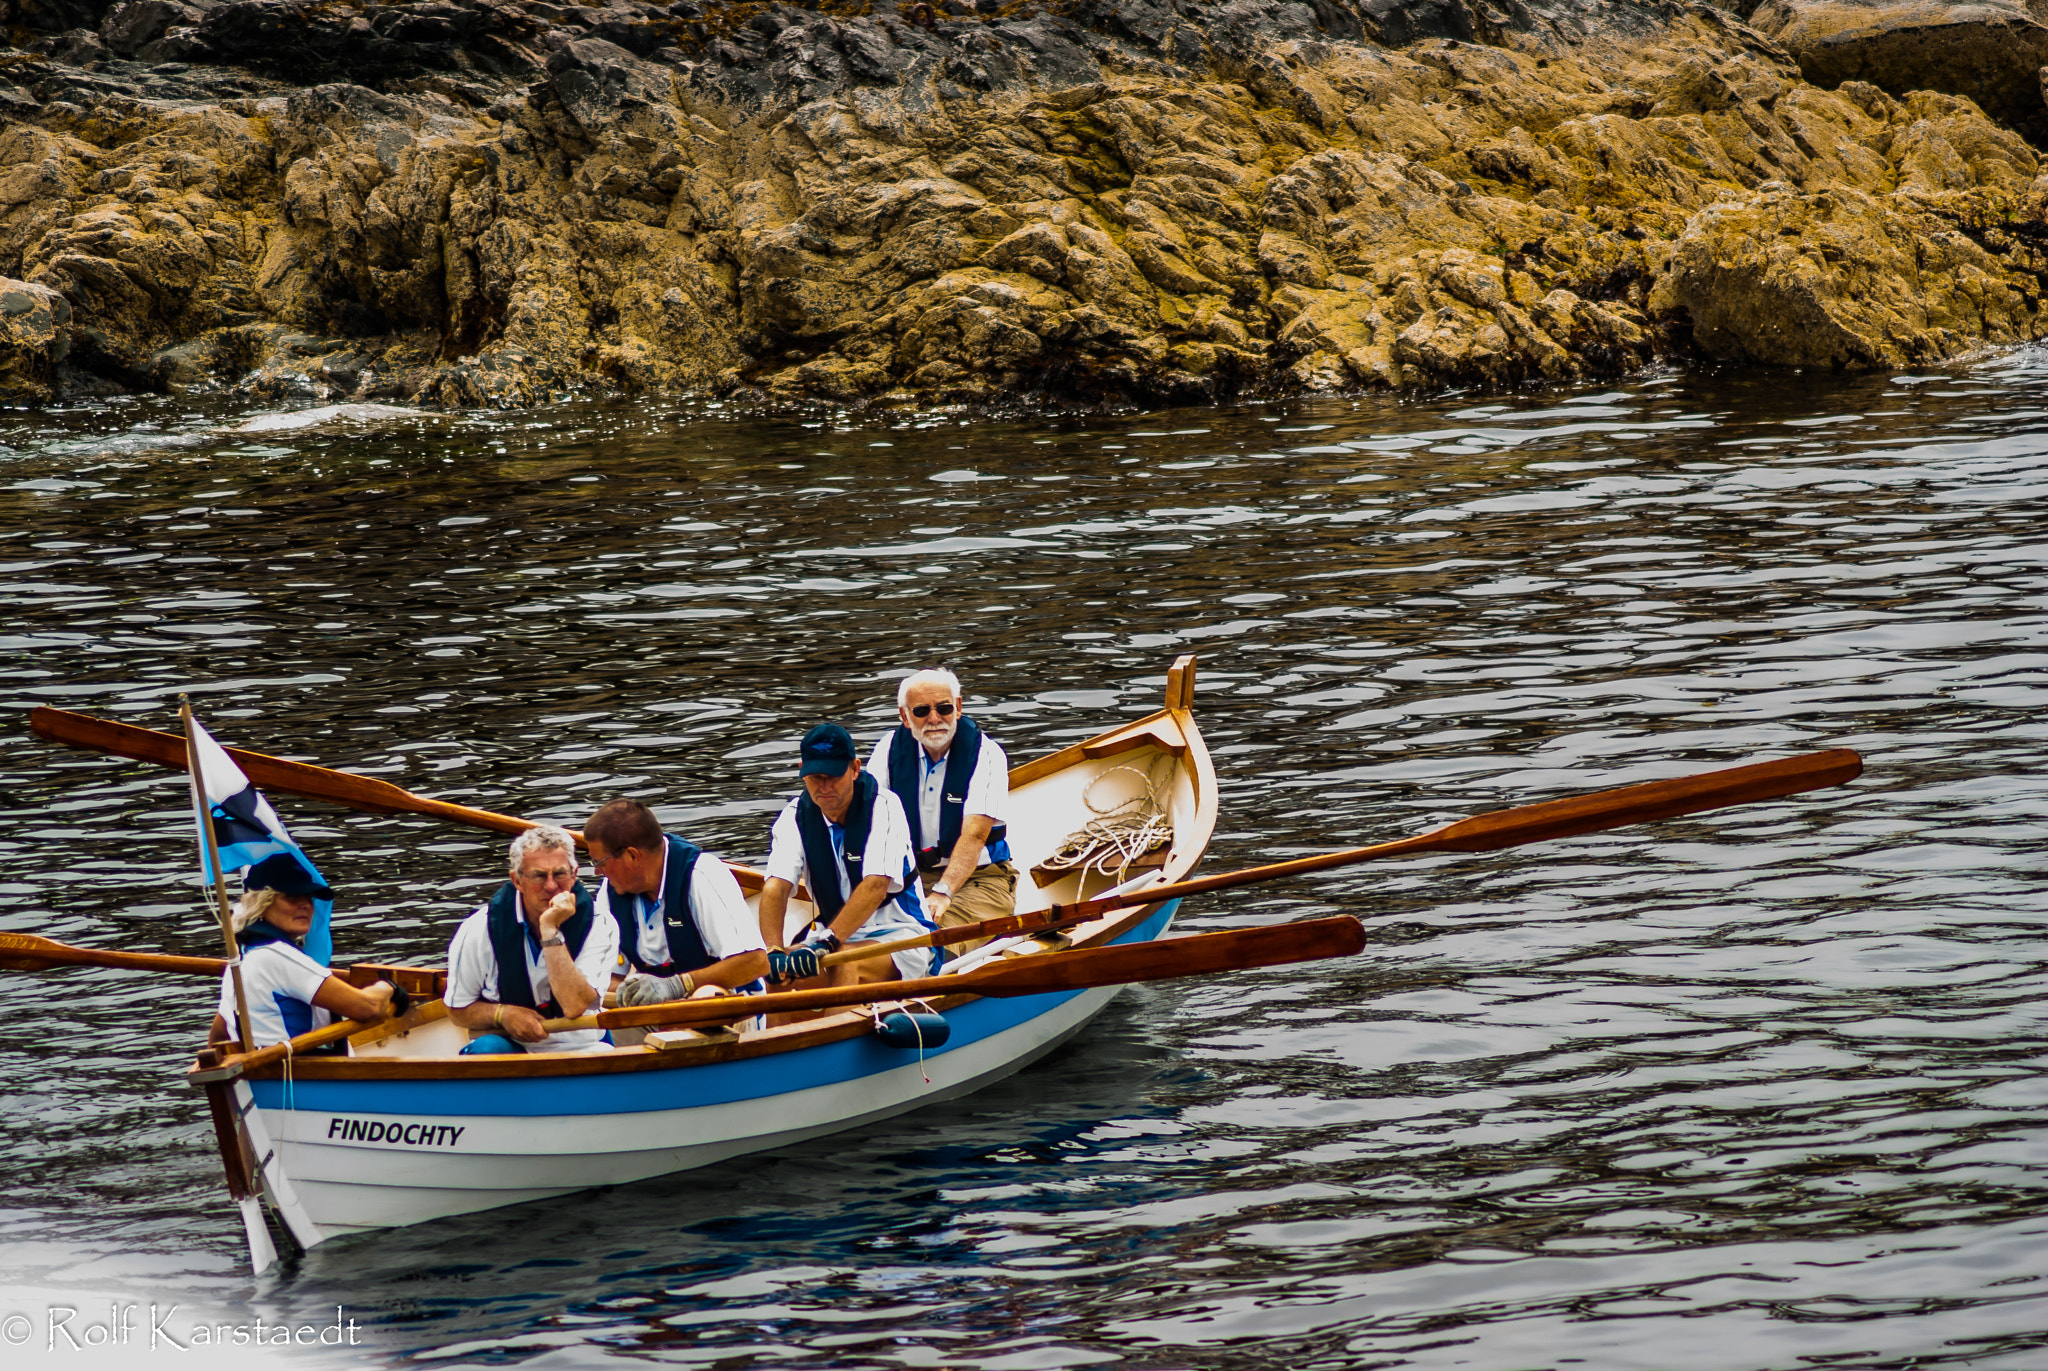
<point>204,810</point>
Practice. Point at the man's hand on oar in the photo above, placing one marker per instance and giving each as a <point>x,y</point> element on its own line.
<point>1568,818</point>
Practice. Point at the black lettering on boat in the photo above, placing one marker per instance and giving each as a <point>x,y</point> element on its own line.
<point>345,1129</point>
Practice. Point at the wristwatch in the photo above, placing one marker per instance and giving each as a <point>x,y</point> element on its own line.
<point>556,941</point>
<point>941,888</point>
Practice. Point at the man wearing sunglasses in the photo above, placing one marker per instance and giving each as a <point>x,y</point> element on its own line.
<point>954,784</point>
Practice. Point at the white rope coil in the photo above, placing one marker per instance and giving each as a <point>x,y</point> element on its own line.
<point>1123,831</point>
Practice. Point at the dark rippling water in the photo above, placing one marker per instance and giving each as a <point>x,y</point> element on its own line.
<point>1760,1089</point>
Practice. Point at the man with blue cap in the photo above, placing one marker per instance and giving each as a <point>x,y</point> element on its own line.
<point>847,840</point>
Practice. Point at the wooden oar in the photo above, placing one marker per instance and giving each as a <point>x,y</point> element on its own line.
<point>1045,974</point>
<point>1594,813</point>
<point>270,773</point>
<point>27,952</point>
<point>235,1064</point>
<point>294,778</point>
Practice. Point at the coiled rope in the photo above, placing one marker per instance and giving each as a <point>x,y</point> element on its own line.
<point>1124,831</point>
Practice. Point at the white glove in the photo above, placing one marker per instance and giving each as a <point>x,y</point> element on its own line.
<point>638,990</point>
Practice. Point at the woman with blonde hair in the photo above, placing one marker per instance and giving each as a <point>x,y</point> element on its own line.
<point>289,993</point>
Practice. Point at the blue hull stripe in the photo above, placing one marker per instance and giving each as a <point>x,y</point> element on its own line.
<point>636,1092</point>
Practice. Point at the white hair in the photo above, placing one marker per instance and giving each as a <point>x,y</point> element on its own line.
<point>936,675</point>
<point>542,838</point>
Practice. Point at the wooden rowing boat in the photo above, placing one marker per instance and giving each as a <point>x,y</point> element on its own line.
<point>402,1130</point>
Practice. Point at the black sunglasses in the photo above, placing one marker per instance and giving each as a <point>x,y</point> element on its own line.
<point>945,708</point>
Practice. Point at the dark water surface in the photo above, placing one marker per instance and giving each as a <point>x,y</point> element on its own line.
<point>1759,1089</point>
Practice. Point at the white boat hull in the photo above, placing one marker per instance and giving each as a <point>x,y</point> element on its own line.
<point>361,1156</point>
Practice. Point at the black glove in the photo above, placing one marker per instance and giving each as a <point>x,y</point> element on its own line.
<point>400,1001</point>
<point>796,964</point>
<point>824,943</point>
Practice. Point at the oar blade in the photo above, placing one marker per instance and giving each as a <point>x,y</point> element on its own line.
<point>271,773</point>
<point>1643,804</point>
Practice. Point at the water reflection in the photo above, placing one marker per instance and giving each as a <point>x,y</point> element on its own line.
<point>1771,1073</point>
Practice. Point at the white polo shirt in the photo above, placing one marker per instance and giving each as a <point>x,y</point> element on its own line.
<point>723,920</point>
<point>280,981</point>
<point>473,972</point>
<point>888,854</point>
<point>988,789</point>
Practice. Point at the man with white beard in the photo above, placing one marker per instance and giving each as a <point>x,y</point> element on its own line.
<point>954,783</point>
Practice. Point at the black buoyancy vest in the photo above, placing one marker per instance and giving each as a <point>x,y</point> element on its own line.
<point>821,863</point>
<point>686,949</point>
<point>263,931</point>
<point>506,923</point>
<point>906,769</point>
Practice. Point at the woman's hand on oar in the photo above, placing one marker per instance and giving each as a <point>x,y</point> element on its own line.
<point>1581,814</point>
<point>275,773</point>
<point>28,952</point>
<point>1048,973</point>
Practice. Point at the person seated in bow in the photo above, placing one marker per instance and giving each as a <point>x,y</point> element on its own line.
<point>953,781</point>
<point>683,925</point>
<point>536,950</point>
<point>844,838</point>
<point>288,992</point>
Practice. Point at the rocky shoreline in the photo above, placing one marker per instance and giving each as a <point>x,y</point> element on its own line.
<point>497,202</point>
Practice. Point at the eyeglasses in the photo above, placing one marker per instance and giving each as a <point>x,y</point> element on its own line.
<point>560,873</point>
<point>598,864</point>
<point>945,708</point>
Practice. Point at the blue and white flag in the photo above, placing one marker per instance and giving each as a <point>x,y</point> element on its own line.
<point>246,830</point>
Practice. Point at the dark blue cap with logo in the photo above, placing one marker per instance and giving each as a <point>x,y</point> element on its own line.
<point>827,751</point>
<point>283,874</point>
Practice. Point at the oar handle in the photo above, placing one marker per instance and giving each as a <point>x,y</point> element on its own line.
<point>28,952</point>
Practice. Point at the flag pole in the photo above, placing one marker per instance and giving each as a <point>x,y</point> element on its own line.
<point>204,810</point>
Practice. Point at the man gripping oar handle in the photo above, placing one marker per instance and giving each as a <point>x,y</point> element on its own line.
<point>1568,818</point>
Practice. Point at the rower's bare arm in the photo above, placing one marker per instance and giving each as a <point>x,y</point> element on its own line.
<point>573,991</point>
<point>337,996</point>
<point>734,971</point>
<point>867,898</point>
<point>974,831</point>
<point>488,1016</point>
<point>774,909</point>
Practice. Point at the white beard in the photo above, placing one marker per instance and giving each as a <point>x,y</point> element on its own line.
<point>937,739</point>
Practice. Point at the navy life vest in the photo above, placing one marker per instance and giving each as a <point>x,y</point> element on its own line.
<point>821,863</point>
<point>686,950</point>
<point>263,931</point>
<point>506,923</point>
<point>906,773</point>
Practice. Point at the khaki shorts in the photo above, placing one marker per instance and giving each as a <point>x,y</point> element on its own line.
<point>990,893</point>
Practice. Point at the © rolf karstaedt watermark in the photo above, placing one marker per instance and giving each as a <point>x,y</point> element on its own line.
<point>134,1327</point>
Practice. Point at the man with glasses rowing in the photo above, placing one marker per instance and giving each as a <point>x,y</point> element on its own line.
<point>682,922</point>
<point>954,784</point>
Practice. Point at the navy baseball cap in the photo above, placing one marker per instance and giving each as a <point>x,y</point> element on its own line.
<point>827,751</point>
<point>283,874</point>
